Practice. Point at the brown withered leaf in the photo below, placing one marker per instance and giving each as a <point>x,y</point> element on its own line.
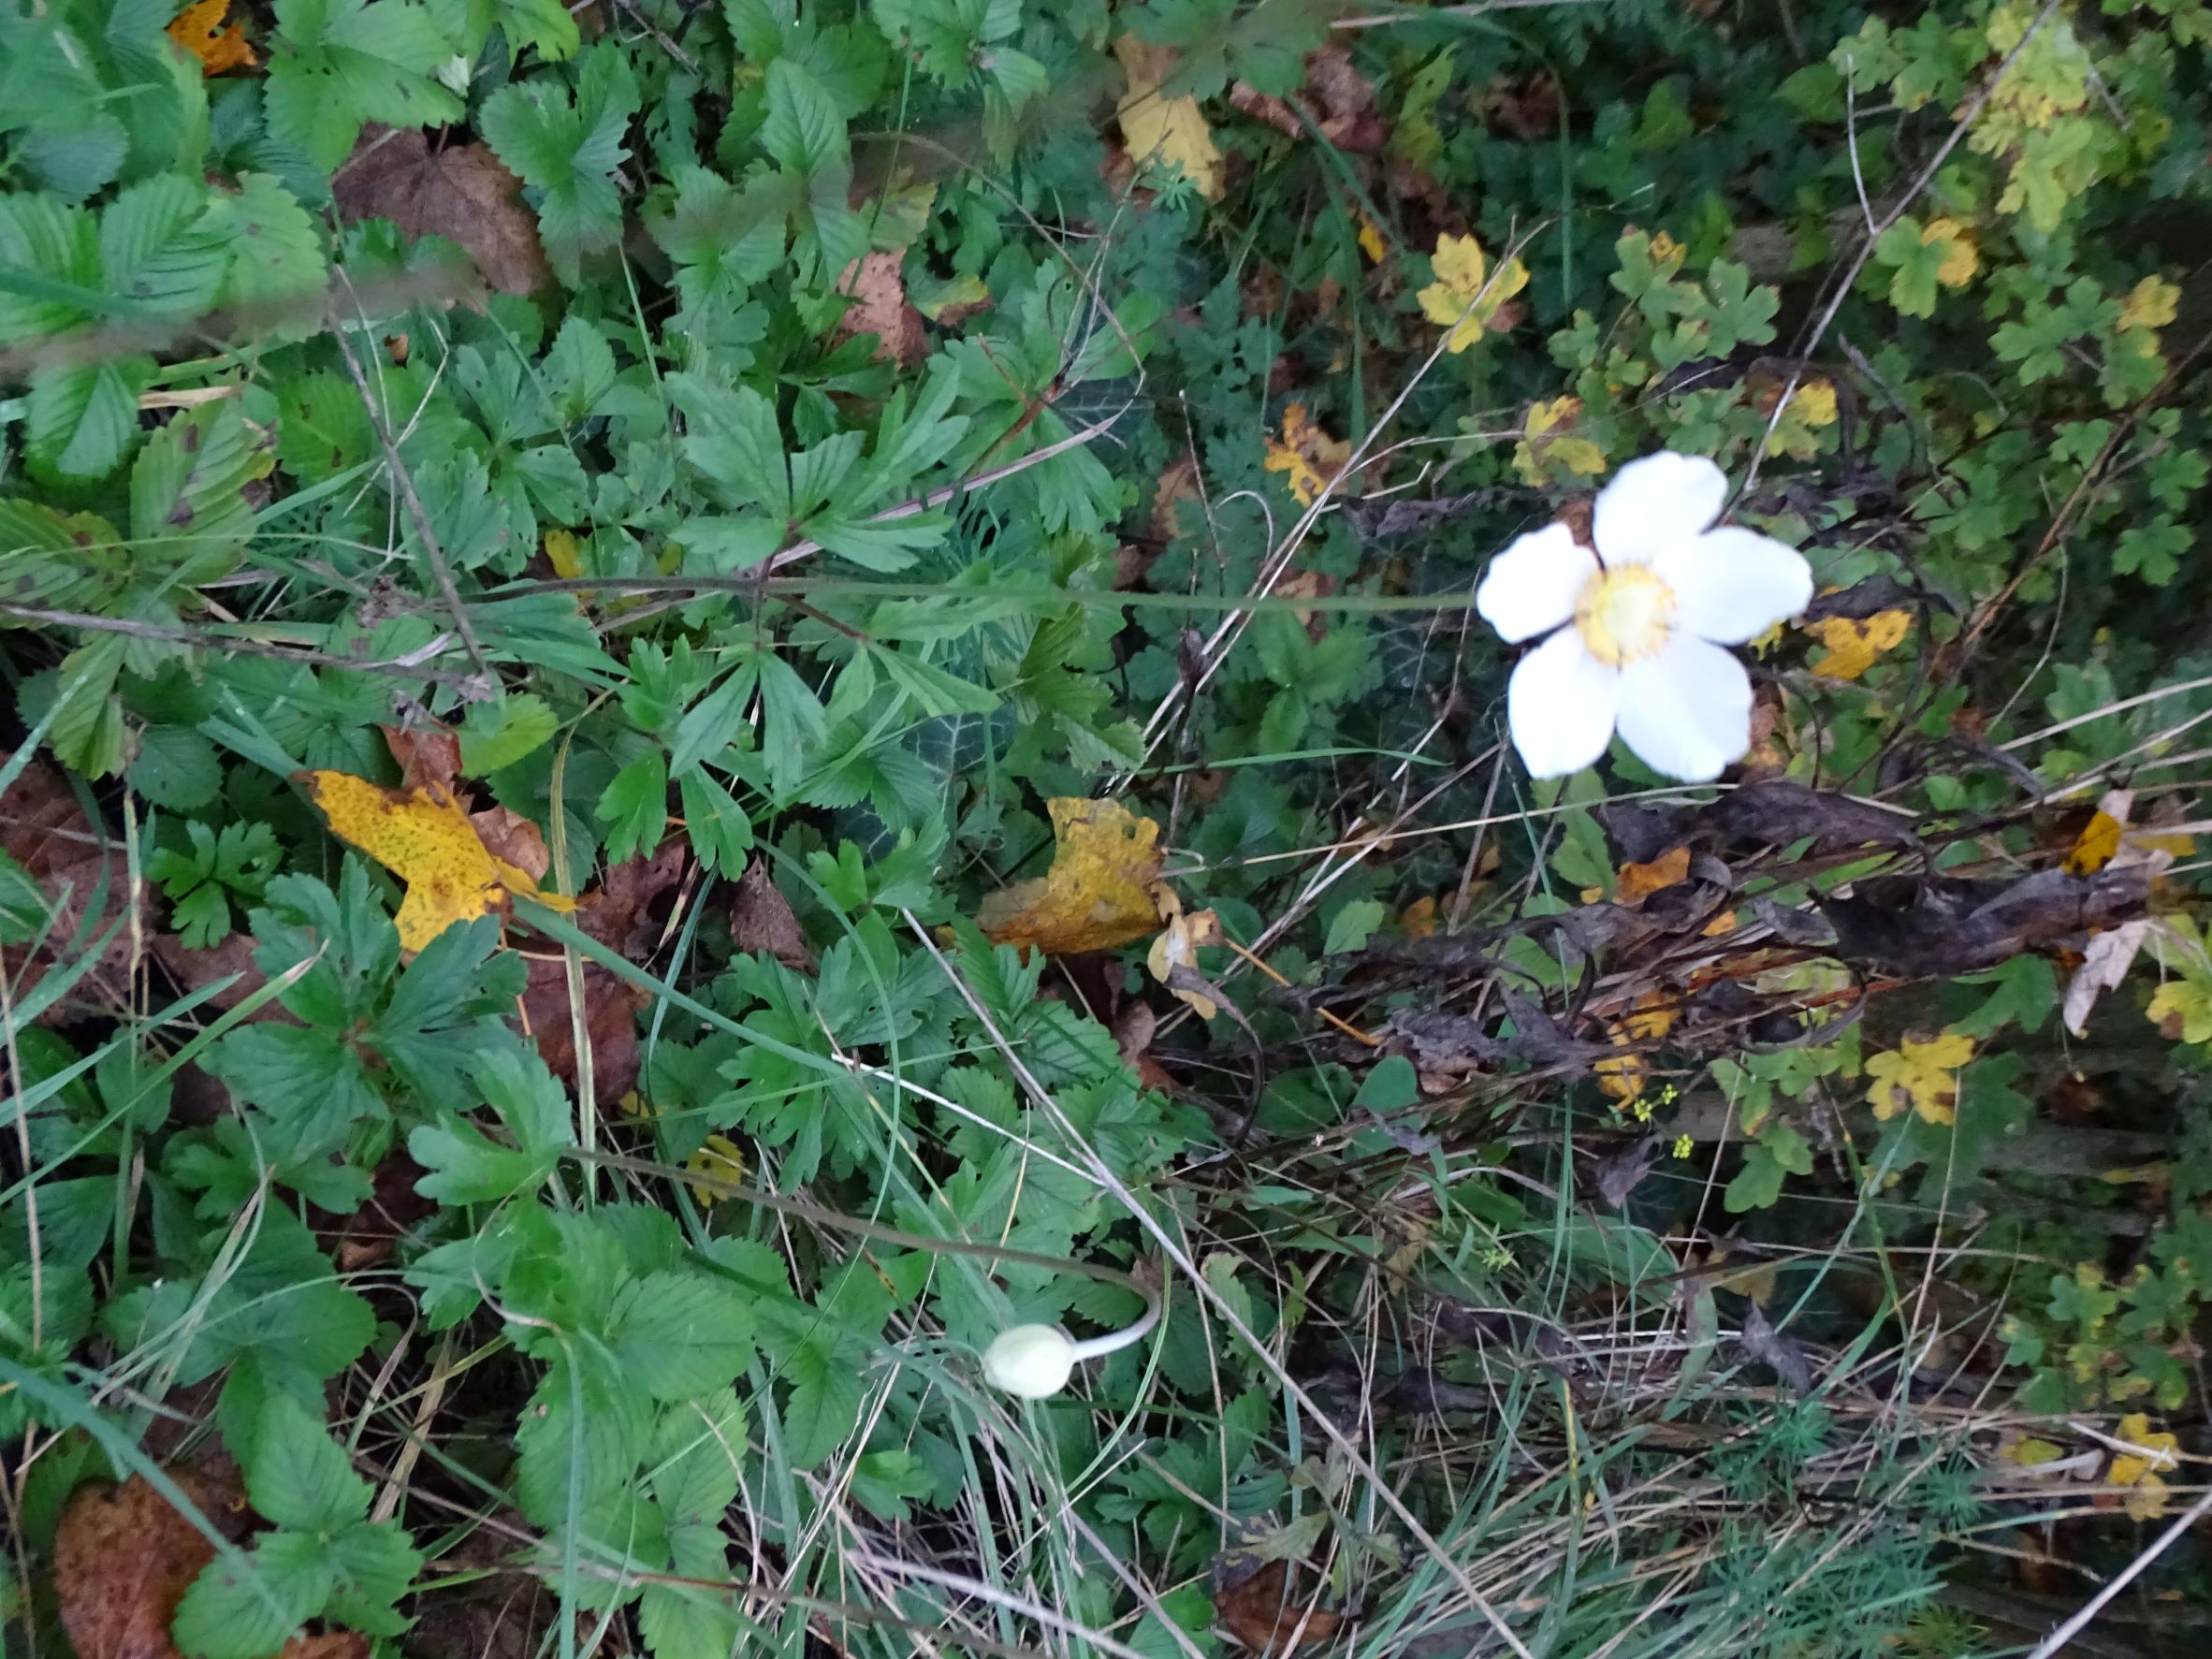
<point>622,913</point>
<point>428,754</point>
<point>511,836</point>
<point>610,1006</point>
<point>761,919</point>
<point>461,191</point>
<point>44,830</point>
<point>1261,1616</point>
<point>1778,812</point>
<point>123,1559</point>
<point>1941,926</point>
<point>879,308</point>
<point>1336,101</point>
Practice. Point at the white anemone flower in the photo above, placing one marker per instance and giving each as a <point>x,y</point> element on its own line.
<point>1650,611</point>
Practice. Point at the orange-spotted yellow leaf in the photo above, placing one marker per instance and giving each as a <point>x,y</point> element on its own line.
<point>1102,889</point>
<point>198,29</point>
<point>424,836</point>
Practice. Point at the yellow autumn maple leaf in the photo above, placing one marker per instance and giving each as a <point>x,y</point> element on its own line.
<point>1465,295</point>
<point>2152,303</point>
<point>1308,454</point>
<point>1169,132</point>
<point>1961,257</point>
<point>2182,1011</point>
<point>1102,890</point>
<point>1854,643</point>
<point>1922,1075</point>
<point>198,29</point>
<point>2152,1452</point>
<point>424,836</point>
<point>1550,442</point>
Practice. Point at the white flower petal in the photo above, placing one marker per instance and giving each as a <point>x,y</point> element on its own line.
<point>1732,585</point>
<point>1530,588</point>
<point>1560,706</point>
<point>1686,709</point>
<point>1654,502</point>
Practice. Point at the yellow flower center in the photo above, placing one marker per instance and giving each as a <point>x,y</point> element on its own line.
<point>1624,613</point>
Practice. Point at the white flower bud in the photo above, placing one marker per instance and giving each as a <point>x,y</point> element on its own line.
<point>1032,1361</point>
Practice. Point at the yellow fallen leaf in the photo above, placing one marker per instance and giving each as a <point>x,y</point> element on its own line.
<point>1371,239</point>
<point>1102,890</point>
<point>1638,882</point>
<point>2152,303</point>
<point>719,1158</point>
<point>1922,1075</point>
<point>1465,297</point>
<point>2139,1468</point>
<point>1814,403</point>
<point>1308,454</point>
<point>1418,920</point>
<point>198,29</point>
<point>564,555</point>
<point>1166,131</point>
<point>2182,1012</point>
<point>1852,645</point>
<point>2028,1453</point>
<point>1177,946</point>
<point>1961,257</point>
<point>1550,443</point>
<point>2092,850</point>
<point>424,836</point>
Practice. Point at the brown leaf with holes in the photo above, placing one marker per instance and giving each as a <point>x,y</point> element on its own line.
<point>461,191</point>
<point>879,308</point>
<point>1259,1613</point>
<point>762,920</point>
<point>44,829</point>
<point>123,1559</point>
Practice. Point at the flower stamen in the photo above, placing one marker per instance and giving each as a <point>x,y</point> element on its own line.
<point>1624,613</point>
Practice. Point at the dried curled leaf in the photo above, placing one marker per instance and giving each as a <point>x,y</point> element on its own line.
<point>1307,453</point>
<point>1102,890</point>
<point>1177,946</point>
<point>424,837</point>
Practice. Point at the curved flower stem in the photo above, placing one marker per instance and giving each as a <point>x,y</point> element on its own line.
<point>1092,1348</point>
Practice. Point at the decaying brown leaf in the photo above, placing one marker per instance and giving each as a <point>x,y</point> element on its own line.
<point>879,308</point>
<point>44,830</point>
<point>123,1559</point>
<point>428,754</point>
<point>1261,1616</point>
<point>1940,925</point>
<point>1100,892</point>
<point>622,913</point>
<point>762,920</point>
<point>1336,102</point>
<point>461,191</point>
